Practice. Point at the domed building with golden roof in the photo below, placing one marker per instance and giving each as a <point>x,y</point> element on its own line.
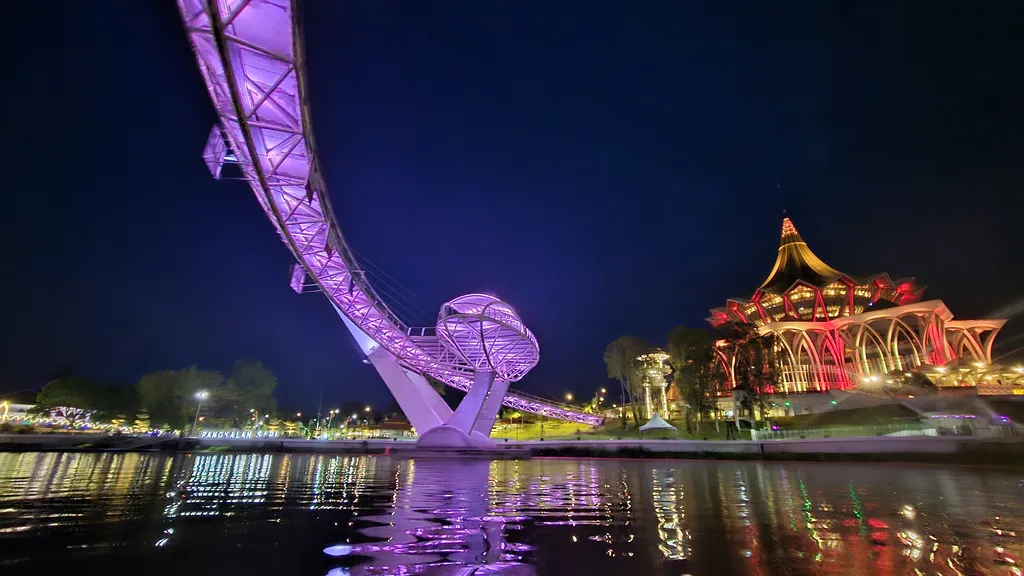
<point>838,330</point>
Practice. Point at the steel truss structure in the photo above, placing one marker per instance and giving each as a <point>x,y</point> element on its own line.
<point>837,331</point>
<point>250,54</point>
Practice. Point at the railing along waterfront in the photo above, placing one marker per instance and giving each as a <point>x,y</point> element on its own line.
<point>888,430</point>
<point>843,432</point>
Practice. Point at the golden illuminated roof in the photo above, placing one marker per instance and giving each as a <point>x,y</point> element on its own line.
<point>802,288</point>
<point>796,262</point>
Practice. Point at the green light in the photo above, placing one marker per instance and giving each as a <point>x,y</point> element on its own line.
<point>787,403</point>
<point>833,402</point>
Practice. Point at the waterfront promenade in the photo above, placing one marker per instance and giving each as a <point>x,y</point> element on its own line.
<point>965,449</point>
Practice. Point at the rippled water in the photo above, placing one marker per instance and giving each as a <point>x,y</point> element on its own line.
<point>306,514</point>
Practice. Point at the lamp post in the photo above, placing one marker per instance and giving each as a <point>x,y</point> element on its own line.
<point>330,416</point>
<point>200,395</point>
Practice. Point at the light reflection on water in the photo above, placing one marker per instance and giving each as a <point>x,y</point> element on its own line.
<point>307,514</point>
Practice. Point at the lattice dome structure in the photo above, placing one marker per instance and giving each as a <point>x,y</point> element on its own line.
<point>487,334</point>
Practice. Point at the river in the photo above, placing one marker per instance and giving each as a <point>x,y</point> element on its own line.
<point>336,515</point>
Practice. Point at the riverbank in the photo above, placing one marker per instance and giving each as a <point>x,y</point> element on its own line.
<point>944,449</point>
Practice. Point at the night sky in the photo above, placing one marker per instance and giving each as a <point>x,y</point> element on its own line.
<point>606,167</point>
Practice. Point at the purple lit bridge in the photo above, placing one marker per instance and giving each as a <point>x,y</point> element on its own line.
<point>250,54</point>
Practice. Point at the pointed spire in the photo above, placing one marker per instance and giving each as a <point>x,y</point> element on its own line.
<point>796,262</point>
<point>789,233</point>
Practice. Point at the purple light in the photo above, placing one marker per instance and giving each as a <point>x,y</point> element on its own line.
<point>298,278</point>
<point>487,334</point>
<point>215,152</point>
<point>260,97</point>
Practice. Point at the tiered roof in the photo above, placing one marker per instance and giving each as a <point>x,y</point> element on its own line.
<point>802,287</point>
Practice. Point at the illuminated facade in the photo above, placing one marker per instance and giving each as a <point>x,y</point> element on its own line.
<point>836,331</point>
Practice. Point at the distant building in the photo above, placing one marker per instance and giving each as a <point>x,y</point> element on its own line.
<point>386,429</point>
<point>837,331</point>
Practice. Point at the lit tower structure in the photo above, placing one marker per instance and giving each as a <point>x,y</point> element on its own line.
<point>250,55</point>
<point>838,330</point>
<point>653,366</point>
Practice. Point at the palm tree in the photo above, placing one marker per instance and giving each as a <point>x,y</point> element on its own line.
<point>757,365</point>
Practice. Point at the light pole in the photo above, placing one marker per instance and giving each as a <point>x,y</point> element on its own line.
<point>200,395</point>
<point>330,417</point>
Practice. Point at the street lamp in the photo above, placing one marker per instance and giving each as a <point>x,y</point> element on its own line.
<point>200,395</point>
<point>367,409</point>
<point>568,397</point>
<point>256,419</point>
<point>603,391</point>
<point>298,414</point>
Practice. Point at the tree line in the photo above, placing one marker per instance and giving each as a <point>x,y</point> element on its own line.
<point>165,398</point>
<point>698,375</point>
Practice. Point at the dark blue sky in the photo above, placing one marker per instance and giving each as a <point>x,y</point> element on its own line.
<point>606,167</point>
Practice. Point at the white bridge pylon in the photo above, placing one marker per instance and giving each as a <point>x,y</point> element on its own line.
<point>469,425</point>
<point>250,54</point>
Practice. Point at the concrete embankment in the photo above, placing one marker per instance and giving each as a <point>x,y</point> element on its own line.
<point>955,449</point>
<point>951,449</point>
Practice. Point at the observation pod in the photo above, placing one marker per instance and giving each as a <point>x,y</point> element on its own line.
<point>487,334</point>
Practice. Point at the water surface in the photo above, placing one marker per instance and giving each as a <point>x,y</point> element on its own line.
<point>312,514</point>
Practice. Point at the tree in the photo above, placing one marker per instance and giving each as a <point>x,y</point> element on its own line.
<point>74,399</point>
<point>451,396</point>
<point>169,396</point>
<point>116,402</point>
<point>251,387</point>
<point>440,387</point>
<point>756,367</point>
<point>293,428</point>
<point>248,391</point>
<point>141,423</point>
<point>692,356</point>
<point>620,359</point>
